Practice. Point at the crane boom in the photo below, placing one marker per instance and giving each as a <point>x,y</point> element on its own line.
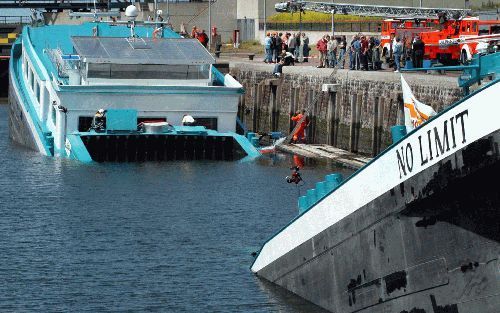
<point>368,10</point>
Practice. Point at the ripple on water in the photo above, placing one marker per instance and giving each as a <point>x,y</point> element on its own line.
<point>170,237</point>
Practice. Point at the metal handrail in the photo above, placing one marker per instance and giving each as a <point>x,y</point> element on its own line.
<point>16,20</point>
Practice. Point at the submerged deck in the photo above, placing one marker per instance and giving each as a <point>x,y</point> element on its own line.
<point>342,157</point>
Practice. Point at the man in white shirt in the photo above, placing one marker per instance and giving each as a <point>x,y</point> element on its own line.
<point>187,120</point>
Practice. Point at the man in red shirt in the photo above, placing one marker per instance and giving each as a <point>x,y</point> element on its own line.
<point>203,38</point>
<point>322,47</point>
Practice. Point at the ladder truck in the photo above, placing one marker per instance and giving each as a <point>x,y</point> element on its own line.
<point>450,35</point>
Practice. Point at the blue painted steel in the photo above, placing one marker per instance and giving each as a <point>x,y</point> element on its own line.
<point>217,76</point>
<point>311,197</point>
<point>321,189</point>
<point>333,181</point>
<point>276,135</point>
<point>70,57</point>
<point>426,63</point>
<point>121,120</point>
<point>398,132</point>
<point>250,135</point>
<point>303,204</point>
<point>26,99</point>
<point>191,130</point>
<point>255,142</point>
<point>250,150</point>
<point>242,125</point>
<point>78,150</point>
<point>481,67</point>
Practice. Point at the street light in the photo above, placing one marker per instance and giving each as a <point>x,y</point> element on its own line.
<point>209,23</point>
<point>333,23</point>
<point>265,18</point>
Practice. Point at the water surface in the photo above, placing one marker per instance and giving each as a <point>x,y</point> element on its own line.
<point>169,237</point>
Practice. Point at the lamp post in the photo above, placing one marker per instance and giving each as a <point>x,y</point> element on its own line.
<point>333,23</point>
<point>265,18</point>
<point>300,21</point>
<point>209,23</point>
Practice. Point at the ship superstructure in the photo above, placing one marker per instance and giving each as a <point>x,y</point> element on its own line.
<point>61,75</point>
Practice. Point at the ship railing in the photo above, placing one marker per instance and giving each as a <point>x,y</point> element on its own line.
<point>63,63</point>
<point>15,20</point>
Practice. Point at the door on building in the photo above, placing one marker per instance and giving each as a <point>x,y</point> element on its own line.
<point>247,29</point>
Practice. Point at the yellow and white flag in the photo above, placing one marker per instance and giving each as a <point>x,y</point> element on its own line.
<point>416,113</point>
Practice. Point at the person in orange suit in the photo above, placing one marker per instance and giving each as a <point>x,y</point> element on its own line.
<point>299,134</point>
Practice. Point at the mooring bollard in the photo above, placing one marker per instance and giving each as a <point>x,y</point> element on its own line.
<point>398,132</point>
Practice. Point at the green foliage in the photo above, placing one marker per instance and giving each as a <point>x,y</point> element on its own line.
<point>316,17</point>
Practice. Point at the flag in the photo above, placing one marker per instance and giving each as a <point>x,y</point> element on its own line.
<point>416,113</point>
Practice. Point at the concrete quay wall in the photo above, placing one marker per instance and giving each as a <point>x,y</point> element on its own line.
<point>366,105</point>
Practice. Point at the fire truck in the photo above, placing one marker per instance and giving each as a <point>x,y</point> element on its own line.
<point>457,40</point>
<point>404,28</point>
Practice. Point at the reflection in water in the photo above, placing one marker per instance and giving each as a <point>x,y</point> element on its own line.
<point>170,237</point>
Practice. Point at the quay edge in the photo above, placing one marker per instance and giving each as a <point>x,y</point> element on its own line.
<point>366,104</point>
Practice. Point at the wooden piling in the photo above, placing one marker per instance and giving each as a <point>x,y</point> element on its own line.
<point>243,107</point>
<point>352,128</point>
<point>380,118</point>
<point>256,97</point>
<point>331,89</point>
<point>292,107</point>
<point>401,105</point>
<point>273,103</point>
<point>375,128</point>
<point>359,104</point>
<point>311,129</point>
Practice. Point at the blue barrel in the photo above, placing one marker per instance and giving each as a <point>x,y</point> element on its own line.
<point>321,189</point>
<point>311,197</point>
<point>303,204</point>
<point>275,135</point>
<point>255,142</point>
<point>333,181</point>
<point>250,135</point>
<point>398,132</point>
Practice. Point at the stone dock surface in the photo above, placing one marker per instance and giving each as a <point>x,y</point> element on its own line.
<point>357,117</point>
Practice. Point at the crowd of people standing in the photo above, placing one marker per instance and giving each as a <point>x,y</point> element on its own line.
<point>362,52</point>
<point>279,45</point>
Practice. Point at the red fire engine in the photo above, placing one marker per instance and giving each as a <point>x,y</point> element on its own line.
<point>457,40</point>
<point>404,28</point>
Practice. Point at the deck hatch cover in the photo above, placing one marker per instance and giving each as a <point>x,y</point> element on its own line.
<point>121,50</point>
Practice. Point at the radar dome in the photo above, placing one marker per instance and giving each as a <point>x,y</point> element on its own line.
<point>131,12</point>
